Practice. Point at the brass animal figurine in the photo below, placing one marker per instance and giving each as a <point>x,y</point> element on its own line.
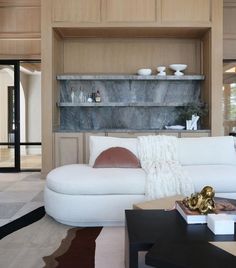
<point>202,202</point>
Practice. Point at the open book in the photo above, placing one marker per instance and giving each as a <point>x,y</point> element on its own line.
<point>223,206</point>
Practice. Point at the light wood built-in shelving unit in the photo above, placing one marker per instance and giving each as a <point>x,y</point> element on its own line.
<point>119,36</point>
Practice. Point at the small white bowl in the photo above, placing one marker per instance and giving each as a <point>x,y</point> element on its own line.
<point>177,127</point>
<point>178,68</point>
<point>144,71</point>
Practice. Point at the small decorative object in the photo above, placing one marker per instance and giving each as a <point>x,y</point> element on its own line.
<point>93,96</point>
<point>144,71</point>
<point>220,224</point>
<point>90,98</point>
<point>98,96</point>
<point>202,202</point>
<point>81,96</point>
<point>161,70</point>
<point>177,127</point>
<point>72,96</point>
<point>192,124</point>
<point>191,113</point>
<point>178,68</point>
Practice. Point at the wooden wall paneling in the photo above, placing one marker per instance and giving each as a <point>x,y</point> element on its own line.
<point>47,89</point>
<point>131,32</point>
<point>117,55</point>
<point>129,11</point>
<point>229,18</point>
<point>68,148</point>
<point>20,3</point>
<point>206,70</point>
<point>229,29</point>
<point>86,144</point>
<point>76,10</point>
<point>20,20</point>
<point>190,11</point>
<point>20,29</point>
<point>229,47</point>
<point>58,68</point>
<point>217,68</point>
<point>20,48</point>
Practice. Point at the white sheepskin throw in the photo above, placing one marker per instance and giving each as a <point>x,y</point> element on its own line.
<point>164,174</point>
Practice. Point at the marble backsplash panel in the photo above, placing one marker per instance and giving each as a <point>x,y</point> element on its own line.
<point>137,118</point>
<point>172,93</point>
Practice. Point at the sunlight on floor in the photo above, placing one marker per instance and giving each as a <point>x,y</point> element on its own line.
<point>29,161</point>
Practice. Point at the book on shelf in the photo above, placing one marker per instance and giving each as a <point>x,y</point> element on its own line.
<point>223,206</point>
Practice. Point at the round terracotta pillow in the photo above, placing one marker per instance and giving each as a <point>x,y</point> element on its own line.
<point>117,157</point>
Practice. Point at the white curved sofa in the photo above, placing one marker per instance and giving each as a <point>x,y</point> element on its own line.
<point>80,195</point>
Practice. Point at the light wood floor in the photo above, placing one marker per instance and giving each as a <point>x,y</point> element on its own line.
<point>27,161</point>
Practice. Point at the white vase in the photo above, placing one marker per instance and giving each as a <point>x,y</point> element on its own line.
<point>188,124</point>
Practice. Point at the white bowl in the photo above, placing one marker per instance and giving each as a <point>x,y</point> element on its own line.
<point>144,71</point>
<point>177,127</point>
<point>178,68</point>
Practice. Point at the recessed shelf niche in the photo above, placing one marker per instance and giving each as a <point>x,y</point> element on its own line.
<point>128,101</point>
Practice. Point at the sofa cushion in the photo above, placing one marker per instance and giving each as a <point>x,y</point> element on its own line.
<point>99,144</point>
<point>85,180</point>
<point>207,151</point>
<point>221,177</point>
<point>117,157</point>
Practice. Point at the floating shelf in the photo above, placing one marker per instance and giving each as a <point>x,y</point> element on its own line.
<point>118,104</point>
<point>128,77</point>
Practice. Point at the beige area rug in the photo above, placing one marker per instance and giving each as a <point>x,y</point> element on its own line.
<point>46,243</point>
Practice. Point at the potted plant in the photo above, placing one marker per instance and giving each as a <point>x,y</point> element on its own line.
<point>192,112</point>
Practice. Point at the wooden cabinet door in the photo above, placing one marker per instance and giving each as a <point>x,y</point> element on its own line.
<point>68,148</point>
<point>195,134</point>
<point>186,10</point>
<point>129,134</point>
<point>76,10</point>
<point>130,10</point>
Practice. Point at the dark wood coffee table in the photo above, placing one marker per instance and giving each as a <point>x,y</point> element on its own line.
<point>146,230</point>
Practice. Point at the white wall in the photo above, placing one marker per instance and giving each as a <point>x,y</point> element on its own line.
<point>23,111</point>
<point>33,122</point>
<point>5,81</point>
<point>34,108</point>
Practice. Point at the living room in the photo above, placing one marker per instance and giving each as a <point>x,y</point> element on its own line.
<point>111,71</point>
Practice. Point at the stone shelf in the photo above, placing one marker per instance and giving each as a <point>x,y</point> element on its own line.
<point>118,104</point>
<point>128,77</point>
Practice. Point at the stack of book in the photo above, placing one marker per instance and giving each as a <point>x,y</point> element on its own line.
<point>223,206</point>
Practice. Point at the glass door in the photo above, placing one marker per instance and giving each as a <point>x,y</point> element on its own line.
<point>9,116</point>
<point>229,97</point>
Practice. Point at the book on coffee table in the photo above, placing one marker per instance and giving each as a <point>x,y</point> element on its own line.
<point>223,206</point>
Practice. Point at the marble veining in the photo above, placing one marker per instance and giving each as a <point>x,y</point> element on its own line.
<point>127,98</point>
